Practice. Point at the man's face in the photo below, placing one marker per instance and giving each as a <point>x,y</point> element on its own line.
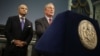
<point>49,10</point>
<point>23,9</point>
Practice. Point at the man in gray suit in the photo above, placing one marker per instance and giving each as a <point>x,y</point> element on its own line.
<point>42,24</point>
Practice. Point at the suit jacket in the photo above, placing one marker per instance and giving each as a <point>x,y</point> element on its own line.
<point>41,25</point>
<point>13,30</point>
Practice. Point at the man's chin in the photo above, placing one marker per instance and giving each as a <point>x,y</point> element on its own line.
<point>52,15</point>
<point>23,14</point>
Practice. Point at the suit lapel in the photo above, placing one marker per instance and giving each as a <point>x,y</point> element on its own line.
<point>18,22</point>
<point>26,24</point>
<point>45,22</point>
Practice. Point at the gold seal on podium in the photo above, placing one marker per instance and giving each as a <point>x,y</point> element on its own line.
<point>87,34</point>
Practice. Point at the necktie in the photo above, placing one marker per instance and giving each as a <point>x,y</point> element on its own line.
<point>50,20</point>
<point>22,23</point>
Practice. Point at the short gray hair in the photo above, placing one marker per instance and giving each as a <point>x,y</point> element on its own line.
<point>48,4</point>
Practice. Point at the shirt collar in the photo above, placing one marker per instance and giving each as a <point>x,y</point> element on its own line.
<point>47,18</point>
<point>21,17</point>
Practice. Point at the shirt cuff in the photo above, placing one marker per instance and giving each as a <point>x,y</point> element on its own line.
<point>12,41</point>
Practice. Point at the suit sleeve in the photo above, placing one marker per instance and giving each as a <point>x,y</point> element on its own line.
<point>8,30</point>
<point>28,40</point>
<point>39,28</point>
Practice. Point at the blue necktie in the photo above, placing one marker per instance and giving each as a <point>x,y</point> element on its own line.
<point>22,24</point>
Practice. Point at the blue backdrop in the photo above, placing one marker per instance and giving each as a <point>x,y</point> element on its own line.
<point>9,8</point>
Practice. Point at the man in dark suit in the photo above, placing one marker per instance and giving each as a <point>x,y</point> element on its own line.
<point>19,32</point>
<point>42,24</point>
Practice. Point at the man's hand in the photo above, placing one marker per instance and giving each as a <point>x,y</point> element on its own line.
<point>18,43</point>
<point>23,42</point>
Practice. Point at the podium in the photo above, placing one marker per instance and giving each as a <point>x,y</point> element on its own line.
<point>71,34</point>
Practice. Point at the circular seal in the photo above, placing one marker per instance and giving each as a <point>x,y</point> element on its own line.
<point>87,34</point>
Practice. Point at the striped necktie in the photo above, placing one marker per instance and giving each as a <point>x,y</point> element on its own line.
<point>22,23</point>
